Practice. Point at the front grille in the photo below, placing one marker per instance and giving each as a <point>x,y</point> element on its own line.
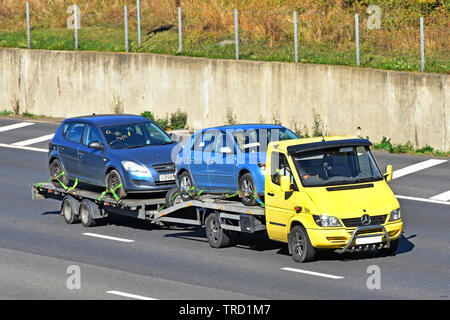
<point>356,222</point>
<point>164,167</point>
<point>164,183</point>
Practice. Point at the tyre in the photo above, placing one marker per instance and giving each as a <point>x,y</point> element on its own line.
<point>173,196</point>
<point>55,170</point>
<point>88,210</point>
<point>217,237</point>
<point>113,179</point>
<point>185,183</point>
<point>70,209</point>
<point>392,248</point>
<point>246,189</point>
<point>300,246</point>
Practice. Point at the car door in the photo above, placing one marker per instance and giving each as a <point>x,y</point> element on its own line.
<point>68,151</point>
<point>222,164</point>
<point>202,148</point>
<point>91,162</point>
<point>279,205</point>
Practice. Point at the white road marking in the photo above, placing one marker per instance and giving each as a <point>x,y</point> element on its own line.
<point>34,140</point>
<point>129,295</point>
<point>444,196</point>
<point>106,237</point>
<point>23,148</point>
<point>423,200</point>
<point>16,126</point>
<point>318,274</point>
<point>416,167</point>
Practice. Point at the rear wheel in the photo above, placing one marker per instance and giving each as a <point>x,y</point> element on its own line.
<point>217,237</point>
<point>300,246</point>
<point>56,169</point>
<point>70,210</point>
<point>113,180</point>
<point>173,196</point>
<point>247,190</point>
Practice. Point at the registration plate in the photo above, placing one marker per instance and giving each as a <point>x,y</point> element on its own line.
<point>368,240</point>
<point>167,177</point>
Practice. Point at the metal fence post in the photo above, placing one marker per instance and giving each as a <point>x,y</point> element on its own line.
<point>125,12</point>
<point>180,32</point>
<point>75,11</point>
<point>422,47</point>
<point>295,38</point>
<point>236,33</point>
<point>28,26</point>
<point>139,20</point>
<point>357,39</point>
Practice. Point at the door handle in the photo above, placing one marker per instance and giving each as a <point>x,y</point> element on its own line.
<point>270,194</point>
<point>60,149</point>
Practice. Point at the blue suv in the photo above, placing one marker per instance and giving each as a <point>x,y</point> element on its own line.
<point>228,159</point>
<point>109,150</point>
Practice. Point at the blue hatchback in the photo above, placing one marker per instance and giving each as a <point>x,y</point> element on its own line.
<point>109,150</point>
<point>228,159</point>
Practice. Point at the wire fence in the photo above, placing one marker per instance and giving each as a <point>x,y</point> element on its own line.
<point>369,37</point>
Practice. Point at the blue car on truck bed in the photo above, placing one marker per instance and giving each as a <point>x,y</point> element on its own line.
<point>228,159</point>
<point>113,150</point>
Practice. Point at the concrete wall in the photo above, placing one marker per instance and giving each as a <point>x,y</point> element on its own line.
<point>400,105</point>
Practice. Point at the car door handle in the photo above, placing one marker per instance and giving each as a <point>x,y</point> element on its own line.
<point>60,148</point>
<point>270,194</point>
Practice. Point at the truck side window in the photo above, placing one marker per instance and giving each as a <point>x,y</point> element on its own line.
<point>279,167</point>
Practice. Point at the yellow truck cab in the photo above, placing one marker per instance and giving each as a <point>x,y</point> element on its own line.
<point>329,193</point>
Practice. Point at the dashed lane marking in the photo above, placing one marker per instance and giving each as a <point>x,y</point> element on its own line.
<point>416,167</point>
<point>34,140</point>
<point>16,126</point>
<point>106,237</point>
<point>129,295</point>
<point>313,273</point>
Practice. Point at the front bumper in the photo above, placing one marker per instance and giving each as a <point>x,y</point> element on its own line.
<point>344,239</point>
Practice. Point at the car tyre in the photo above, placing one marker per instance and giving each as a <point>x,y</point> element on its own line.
<point>113,179</point>
<point>217,237</point>
<point>247,185</point>
<point>70,209</point>
<point>300,246</point>
<point>173,197</point>
<point>55,170</point>
<point>185,183</point>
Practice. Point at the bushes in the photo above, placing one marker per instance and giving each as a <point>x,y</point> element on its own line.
<point>177,120</point>
<point>387,145</point>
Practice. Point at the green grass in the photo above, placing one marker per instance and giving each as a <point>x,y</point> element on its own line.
<point>6,112</point>
<point>111,38</point>
<point>407,147</point>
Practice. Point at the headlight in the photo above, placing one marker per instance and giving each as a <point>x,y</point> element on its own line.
<point>327,221</point>
<point>395,215</point>
<point>135,168</point>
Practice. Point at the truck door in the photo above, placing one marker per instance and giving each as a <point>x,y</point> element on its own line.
<point>279,205</point>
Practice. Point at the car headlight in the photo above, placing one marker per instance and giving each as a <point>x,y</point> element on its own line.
<point>327,221</point>
<point>395,215</point>
<point>135,168</point>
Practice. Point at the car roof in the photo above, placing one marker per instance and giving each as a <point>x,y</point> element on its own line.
<point>110,119</point>
<point>246,126</point>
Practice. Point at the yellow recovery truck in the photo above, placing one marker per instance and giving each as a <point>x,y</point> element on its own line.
<point>320,194</point>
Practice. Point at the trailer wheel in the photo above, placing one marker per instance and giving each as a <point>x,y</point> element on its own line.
<point>217,237</point>
<point>88,210</point>
<point>70,210</point>
<point>300,246</point>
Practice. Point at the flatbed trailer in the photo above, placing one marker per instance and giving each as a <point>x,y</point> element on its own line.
<point>90,207</point>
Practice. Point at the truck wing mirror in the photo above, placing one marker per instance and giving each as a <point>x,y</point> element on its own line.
<point>388,174</point>
<point>285,184</point>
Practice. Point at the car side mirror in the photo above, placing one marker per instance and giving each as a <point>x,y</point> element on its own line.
<point>388,174</point>
<point>96,145</point>
<point>285,184</point>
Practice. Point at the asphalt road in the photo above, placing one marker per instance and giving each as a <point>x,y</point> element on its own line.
<point>40,255</point>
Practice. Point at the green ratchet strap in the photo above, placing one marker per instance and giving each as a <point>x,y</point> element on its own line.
<point>60,182</point>
<point>193,193</point>
<point>257,199</point>
<point>172,198</point>
<point>228,195</point>
<point>112,192</point>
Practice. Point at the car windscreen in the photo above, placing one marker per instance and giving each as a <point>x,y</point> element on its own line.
<point>136,135</point>
<point>335,166</point>
<point>257,140</point>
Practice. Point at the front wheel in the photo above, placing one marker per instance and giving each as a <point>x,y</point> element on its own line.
<point>300,246</point>
<point>113,180</point>
<point>186,184</point>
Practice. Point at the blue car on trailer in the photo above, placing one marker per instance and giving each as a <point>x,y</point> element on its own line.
<point>113,150</point>
<point>228,160</point>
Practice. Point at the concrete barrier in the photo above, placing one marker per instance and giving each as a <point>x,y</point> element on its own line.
<point>400,105</point>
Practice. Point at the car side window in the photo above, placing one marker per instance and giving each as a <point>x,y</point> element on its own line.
<point>224,141</point>
<point>205,141</point>
<point>75,132</point>
<point>91,135</point>
<point>279,167</point>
